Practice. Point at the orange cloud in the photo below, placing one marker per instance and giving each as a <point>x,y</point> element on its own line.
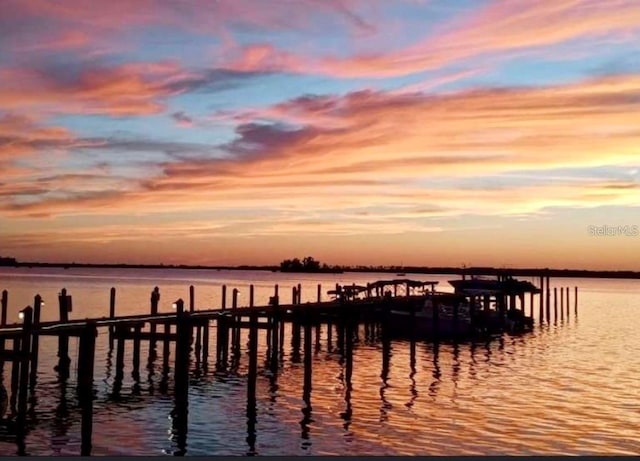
<point>353,150</point>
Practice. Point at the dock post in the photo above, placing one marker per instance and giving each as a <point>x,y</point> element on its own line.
<point>281,320</point>
<point>251,295</point>
<point>236,331</point>
<point>3,322</point>
<point>275,330</point>
<point>5,302</point>
<point>575,300</point>
<point>299,293</point>
<point>224,297</point>
<point>555,303</point>
<point>63,339</point>
<point>15,375</point>
<point>182,347</point>
<point>531,304</point>
<point>180,414</point>
<point>120,337</point>
<point>205,344</point>
<point>541,316</point>
<point>319,293</point>
<point>306,393</point>
<point>548,300</point>
<point>165,347</point>
<point>112,314</point>
<point>455,318</point>
<point>567,288</point>
<point>35,341</point>
<point>85,384</point>
<point>25,355</point>
<point>548,297</point>
<point>251,383</point>
<point>197,325</point>
<point>562,299</point>
<point>155,298</point>
<point>135,374</point>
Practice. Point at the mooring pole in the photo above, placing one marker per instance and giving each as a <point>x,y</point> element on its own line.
<point>37,306</point>
<point>555,303</point>
<point>182,350</point>
<point>224,297</point>
<point>135,374</point>
<point>155,298</point>
<point>251,384</point>
<point>63,339</point>
<point>575,300</point>
<point>112,314</point>
<point>541,314</point>
<point>275,329</point>
<point>120,337</point>
<point>235,333</point>
<point>308,359</point>
<point>25,355</point>
<point>85,384</point>
<point>250,295</point>
<point>3,322</point>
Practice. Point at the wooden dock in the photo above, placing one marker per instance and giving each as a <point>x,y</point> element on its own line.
<point>188,330</point>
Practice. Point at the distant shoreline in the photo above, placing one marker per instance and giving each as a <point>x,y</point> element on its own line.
<point>408,270</point>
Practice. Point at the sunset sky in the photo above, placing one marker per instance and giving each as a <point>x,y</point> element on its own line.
<point>357,131</point>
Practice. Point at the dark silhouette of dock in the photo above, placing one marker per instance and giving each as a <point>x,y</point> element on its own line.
<point>188,329</point>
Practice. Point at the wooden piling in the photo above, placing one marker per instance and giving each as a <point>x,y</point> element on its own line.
<point>250,295</point>
<point>555,303</point>
<point>562,299</point>
<point>63,339</point>
<point>15,375</point>
<point>223,301</point>
<point>155,298</point>
<point>205,344</point>
<point>548,300</point>
<point>236,332</point>
<point>184,332</point>
<point>135,374</point>
<point>274,342</point>
<point>3,322</point>
<point>531,302</point>
<point>541,313</point>
<point>5,302</point>
<point>120,330</point>
<point>86,361</point>
<point>575,300</point>
<point>25,355</point>
<point>198,326</point>
<point>182,348</point>
<point>299,292</point>
<point>251,382</point>
<point>319,293</point>
<point>567,288</point>
<point>165,347</point>
<point>112,314</point>
<point>308,359</point>
<point>35,341</point>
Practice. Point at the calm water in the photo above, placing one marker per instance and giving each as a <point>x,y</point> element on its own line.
<point>569,388</point>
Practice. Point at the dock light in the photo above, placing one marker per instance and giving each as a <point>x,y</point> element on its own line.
<point>174,305</point>
<point>21,315</point>
<point>42,303</point>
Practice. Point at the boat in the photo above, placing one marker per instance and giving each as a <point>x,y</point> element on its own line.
<point>444,314</point>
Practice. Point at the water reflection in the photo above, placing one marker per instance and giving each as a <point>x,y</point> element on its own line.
<point>436,373</point>
<point>384,375</point>
<point>412,366</point>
